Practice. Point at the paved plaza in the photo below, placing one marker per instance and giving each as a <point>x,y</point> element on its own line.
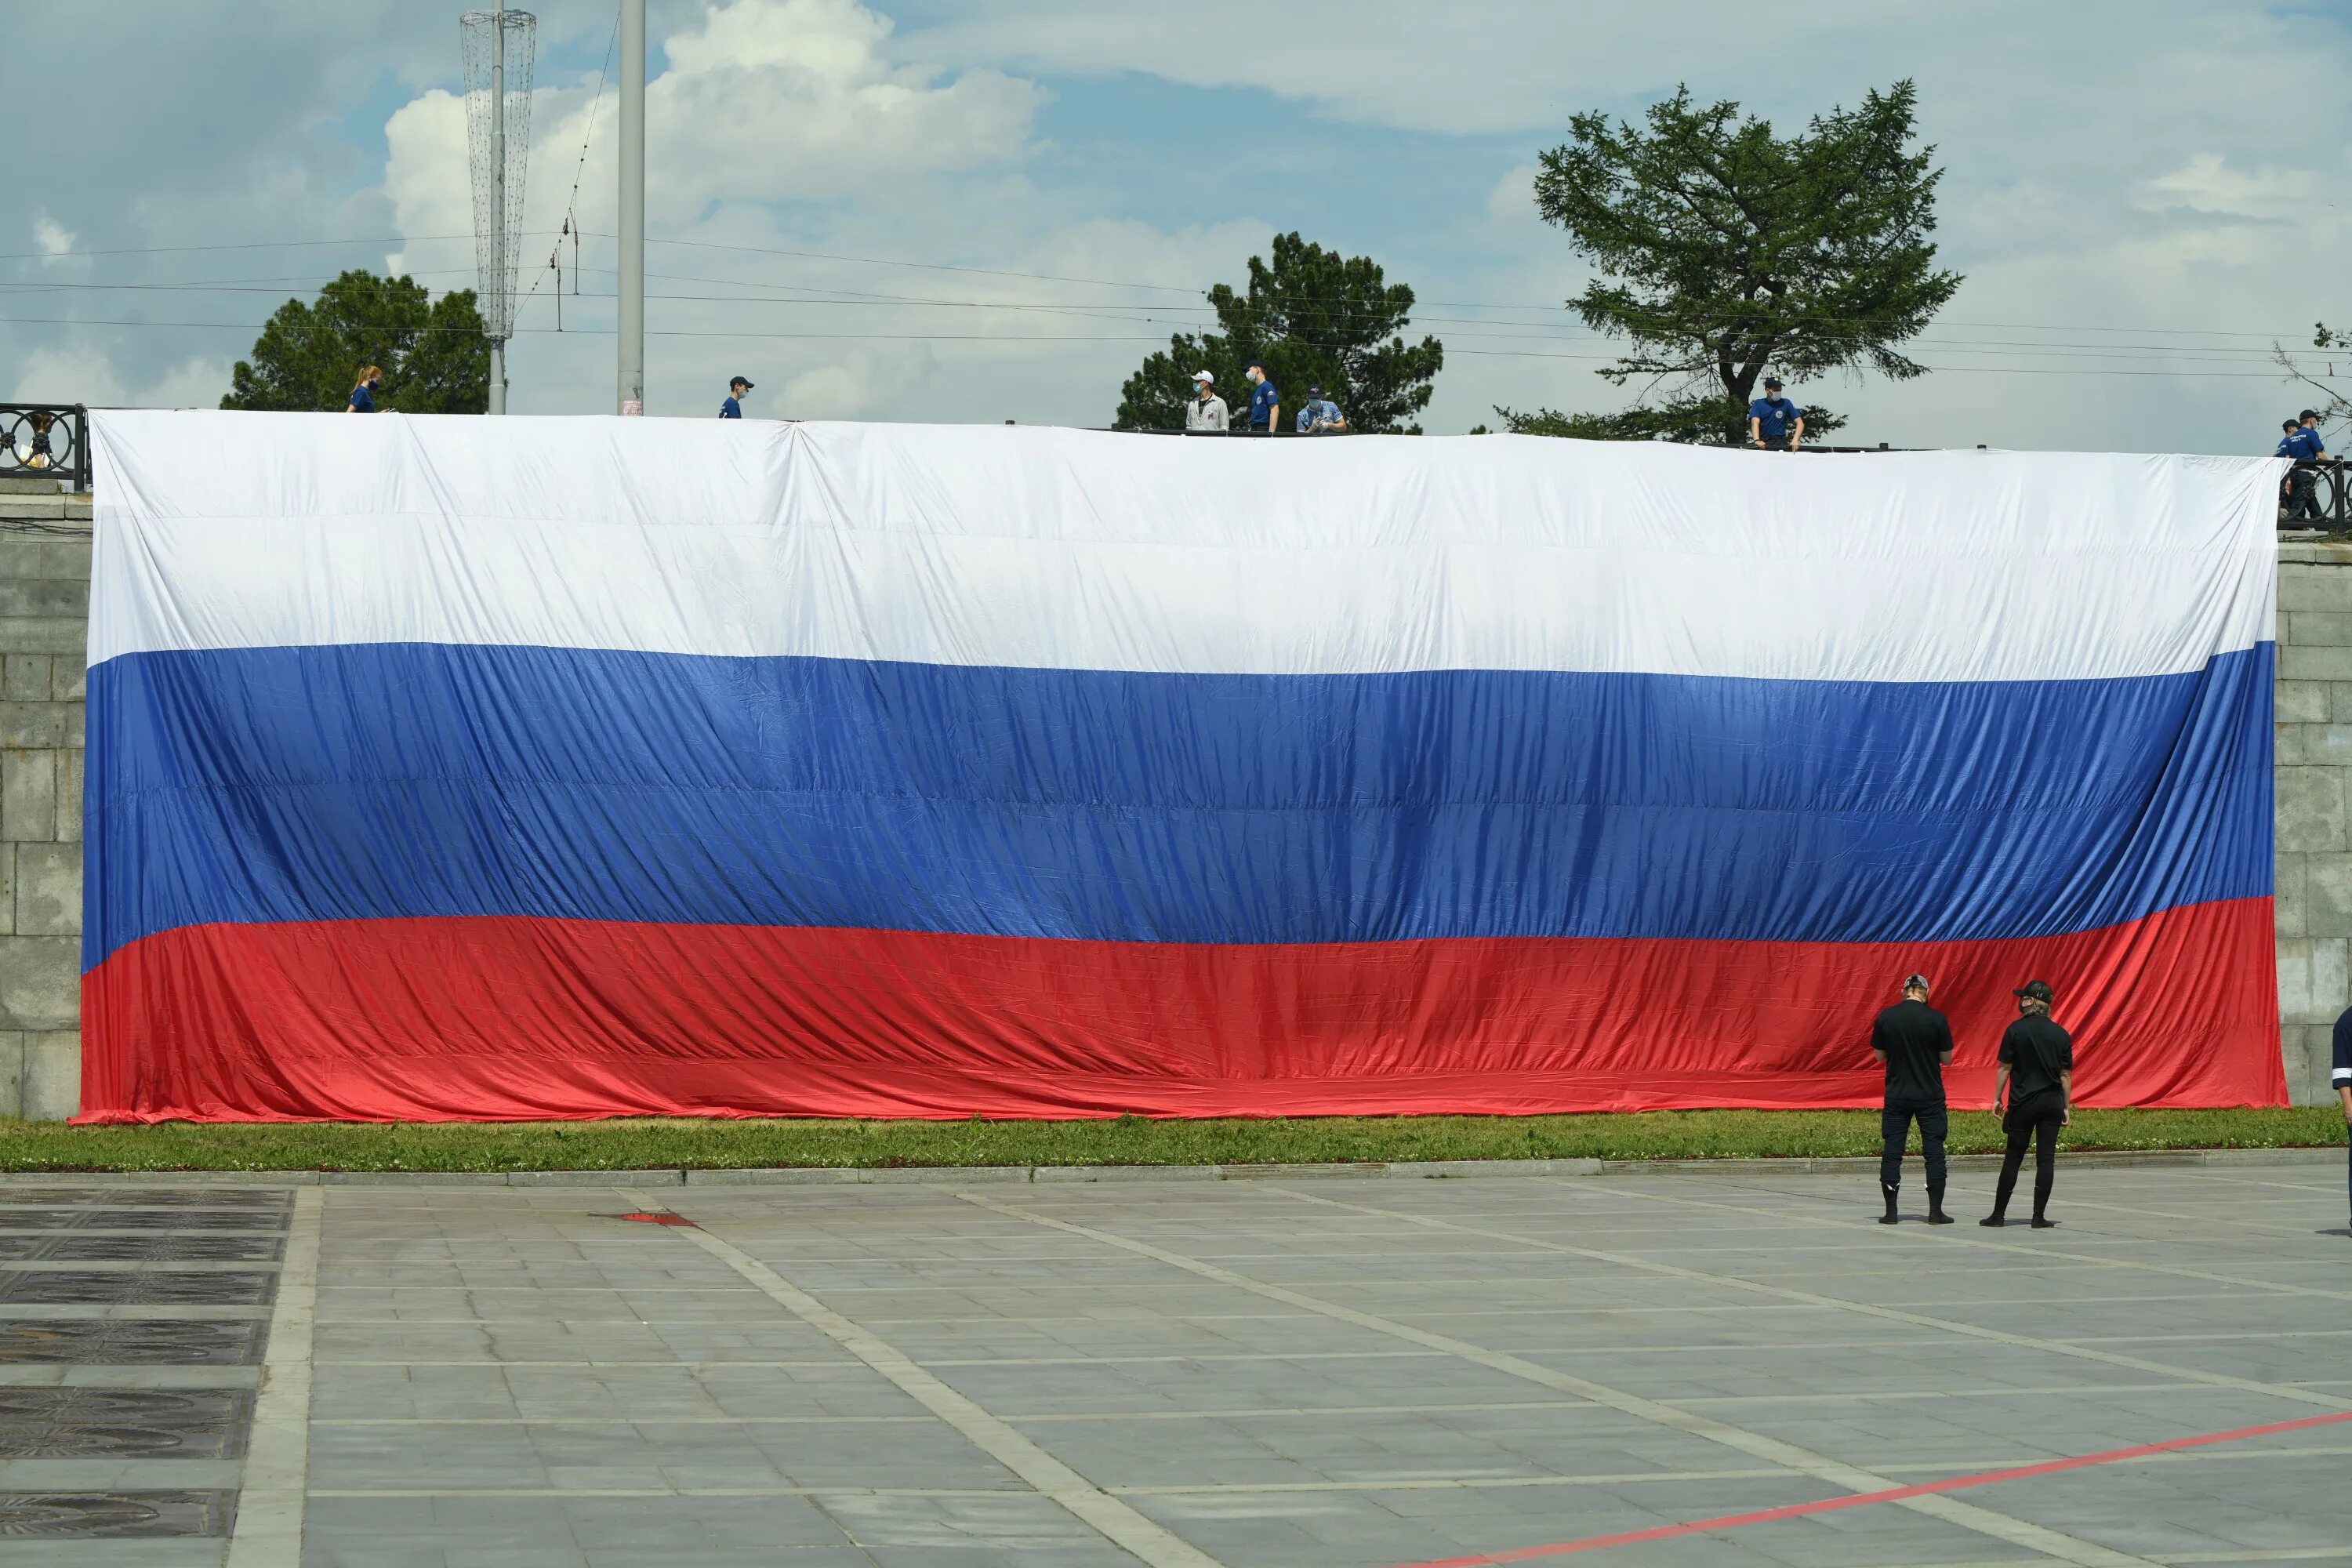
<point>1290,1372</point>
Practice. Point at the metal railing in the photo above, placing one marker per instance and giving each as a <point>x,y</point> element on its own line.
<point>1285,431</point>
<point>2324,486</point>
<point>45,441</point>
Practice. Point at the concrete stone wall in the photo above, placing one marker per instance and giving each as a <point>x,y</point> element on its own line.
<point>43,620</point>
<point>2314,840</point>
<point>44,629</point>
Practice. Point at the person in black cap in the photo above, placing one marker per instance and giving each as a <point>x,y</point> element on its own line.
<point>1774,422</point>
<point>2303,444</point>
<point>734,409</point>
<point>2037,1069</point>
<point>1914,1043</point>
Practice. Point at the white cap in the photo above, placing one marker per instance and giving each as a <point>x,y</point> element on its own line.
<point>1203,375</point>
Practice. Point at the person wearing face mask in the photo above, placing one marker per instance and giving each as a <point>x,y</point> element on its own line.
<point>1774,423</point>
<point>2037,1070</point>
<point>1206,412</point>
<point>363,395</point>
<point>1265,403</point>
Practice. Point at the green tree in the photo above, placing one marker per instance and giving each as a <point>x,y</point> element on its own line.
<point>1316,318</point>
<point>1722,250</point>
<point>435,358</point>
<point>2332,405</point>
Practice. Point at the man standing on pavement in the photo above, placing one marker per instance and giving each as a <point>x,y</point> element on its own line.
<point>733,407</point>
<point>1914,1043</point>
<point>2037,1069</point>
<point>1265,403</point>
<point>2342,1074</point>
<point>1207,410</point>
<point>1773,422</point>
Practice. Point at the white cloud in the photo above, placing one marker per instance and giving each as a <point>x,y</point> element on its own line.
<point>2208,186</point>
<point>86,373</point>
<point>52,237</point>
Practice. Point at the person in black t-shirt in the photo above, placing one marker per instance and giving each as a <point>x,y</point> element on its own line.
<point>1914,1044</point>
<point>2037,1069</point>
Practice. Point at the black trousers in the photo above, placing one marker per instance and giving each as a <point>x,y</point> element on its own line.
<point>1894,1127</point>
<point>2036,1122</point>
<point>2303,495</point>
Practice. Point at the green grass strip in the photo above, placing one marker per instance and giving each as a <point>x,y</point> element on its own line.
<point>1126,1140</point>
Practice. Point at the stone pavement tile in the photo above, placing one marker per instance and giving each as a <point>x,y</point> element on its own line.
<point>542,1456</point>
<point>1017,1522</point>
<point>659,1532</point>
<point>1353,1530</point>
<point>1404,1377</point>
<point>2278,1503</point>
<point>619,1393</point>
<point>54,1553</point>
<point>1370,1448</point>
<point>771,1338</point>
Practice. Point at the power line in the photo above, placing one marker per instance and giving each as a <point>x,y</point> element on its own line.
<point>571,207</point>
<point>255,244</point>
<point>1112,338</point>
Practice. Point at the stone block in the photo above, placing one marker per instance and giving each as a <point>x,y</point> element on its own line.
<point>69,775</point>
<point>60,634</point>
<point>2312,1086</point>
<point>28,796</point>
<point>2313,587</point>
<point>2318,628</point>
<point>2295,662</point>
<point>2295,1056</point>
<point>52,1075</point>
<point>2331,979</point>
<point>70,677</point>
<point>49,889</point>
<point>12,1073</point>
<point>25,677</point>
<point>2305,702</point>
<point>2326,894</point>
<point>25,725</point>
<point>47,597</point>
<point>40,983</point>
<point>2286,744</point>
<point>2287,903</point>
<point>2318,745</point>
<point>67,558</point>
<point>2310,809</point>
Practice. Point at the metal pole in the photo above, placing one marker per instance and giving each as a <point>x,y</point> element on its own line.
<point>632,264</point>
<point>500,239</point>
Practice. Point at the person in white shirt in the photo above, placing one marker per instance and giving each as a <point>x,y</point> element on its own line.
<point>1207,410</point>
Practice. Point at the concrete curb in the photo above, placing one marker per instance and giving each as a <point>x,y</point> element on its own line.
<point>991,1176</point>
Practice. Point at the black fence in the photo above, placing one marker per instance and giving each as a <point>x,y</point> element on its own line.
<point>2317,495</point>
<point>45,441</point>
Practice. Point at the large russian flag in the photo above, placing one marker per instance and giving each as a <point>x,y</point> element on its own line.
<point>471,768</point>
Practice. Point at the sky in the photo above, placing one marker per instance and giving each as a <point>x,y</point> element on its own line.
<point>926,210</point>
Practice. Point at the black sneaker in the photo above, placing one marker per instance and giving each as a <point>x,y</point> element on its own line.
<point>1994,1220</point>
<point>2041,1224</point>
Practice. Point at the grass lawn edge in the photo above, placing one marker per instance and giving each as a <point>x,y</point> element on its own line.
<point>1125,1142</point>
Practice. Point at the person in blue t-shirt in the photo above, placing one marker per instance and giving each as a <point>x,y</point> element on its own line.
<point>734,409</point>
<point>363,395</point>
<point>2342,1075</point>
<point>1773,421</point>
<point>2303,445</point>
<point>1265,403</point>
<point>1320,417</point>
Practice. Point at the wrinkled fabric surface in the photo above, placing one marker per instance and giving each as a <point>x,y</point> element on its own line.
<point>572,767</point>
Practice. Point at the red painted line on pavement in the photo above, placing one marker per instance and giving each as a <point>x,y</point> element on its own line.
<point>1862,1499</point>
